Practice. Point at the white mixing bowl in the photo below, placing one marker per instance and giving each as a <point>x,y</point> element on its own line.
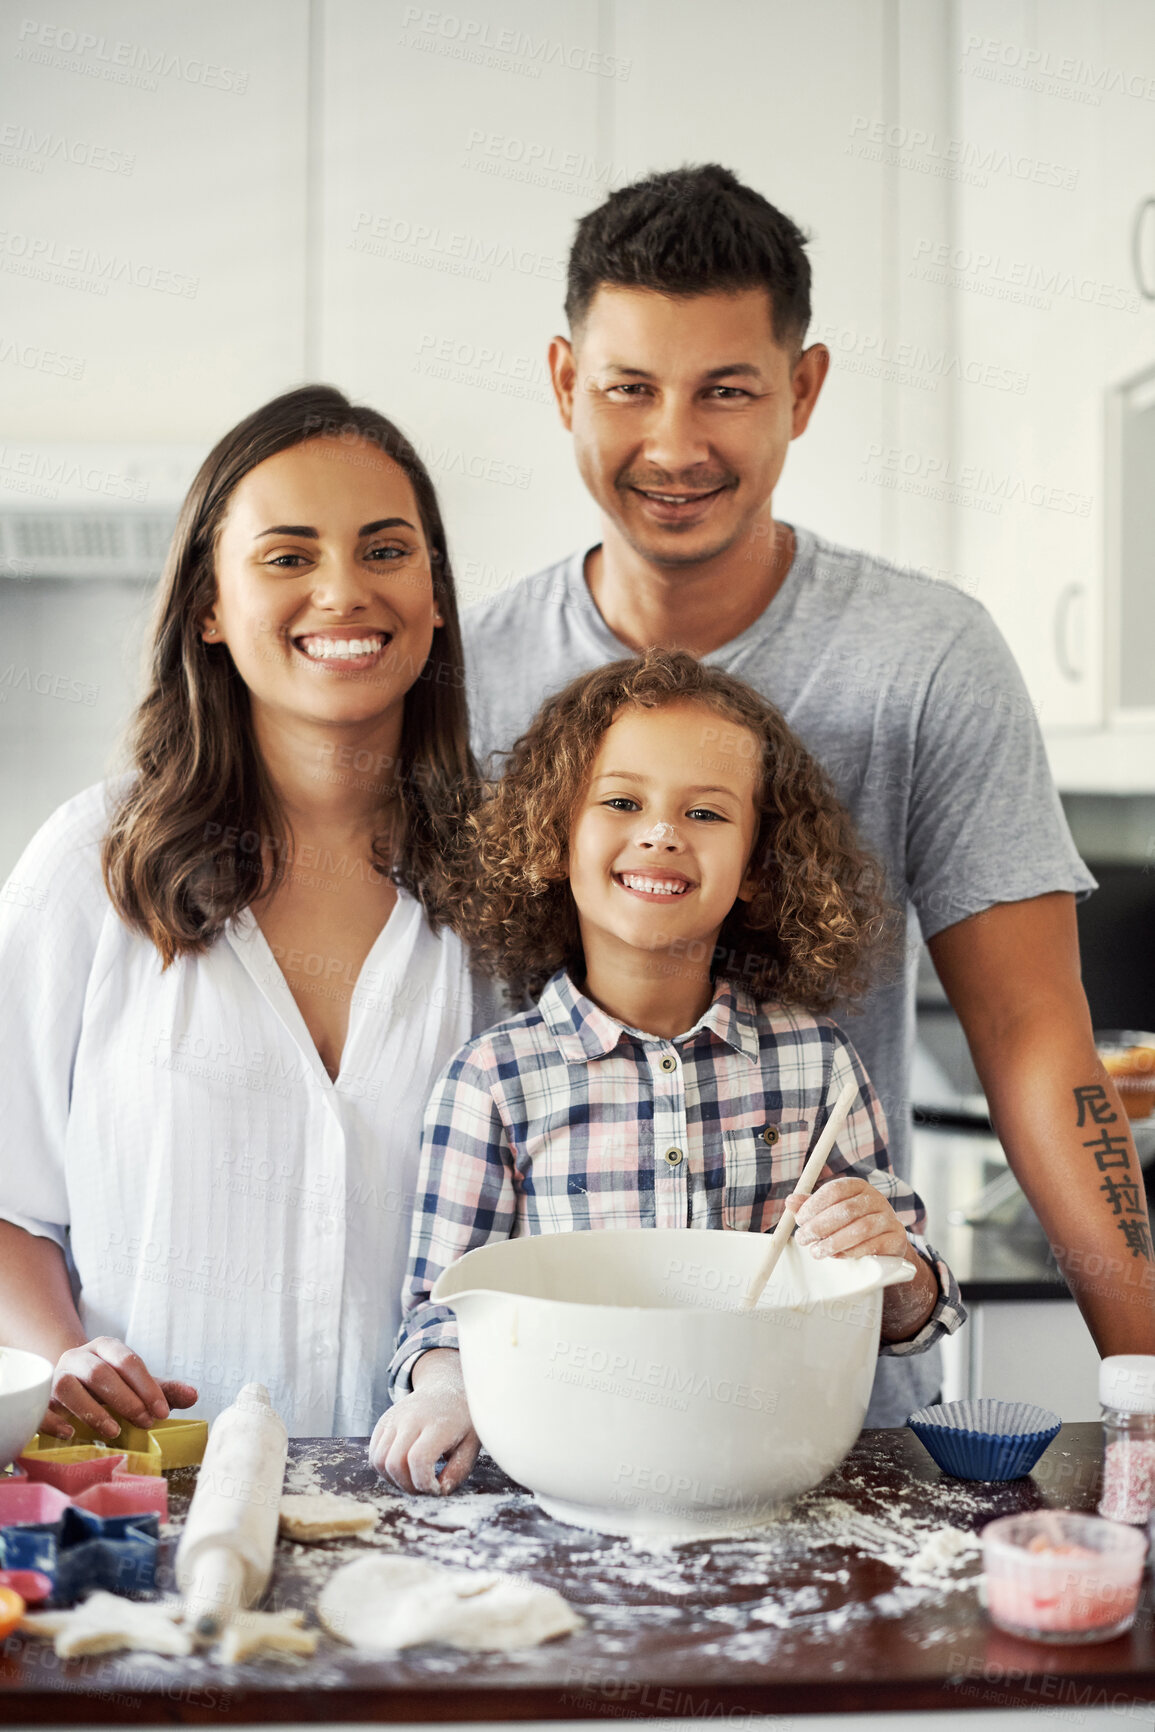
<point>25,1385</point>
<point>614,1375</point>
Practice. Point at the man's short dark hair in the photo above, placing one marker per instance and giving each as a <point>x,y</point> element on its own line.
<point>692,231</point>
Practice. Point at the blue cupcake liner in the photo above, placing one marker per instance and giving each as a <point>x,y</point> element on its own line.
<point>985,1439</point>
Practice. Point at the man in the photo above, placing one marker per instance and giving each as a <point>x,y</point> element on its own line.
<point>683,381</point>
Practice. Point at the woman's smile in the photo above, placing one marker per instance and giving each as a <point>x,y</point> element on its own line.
<point>351,649</point>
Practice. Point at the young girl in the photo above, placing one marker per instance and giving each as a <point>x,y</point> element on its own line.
<point>661,858</point>
<point>225,992</point>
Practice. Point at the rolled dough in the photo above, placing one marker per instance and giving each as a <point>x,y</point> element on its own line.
<point>253,1633</point>
<point>323,1516</point>
<point>105,1623</point>
<point>391,1603</point>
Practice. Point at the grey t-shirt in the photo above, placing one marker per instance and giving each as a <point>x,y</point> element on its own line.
<point>905,691</point>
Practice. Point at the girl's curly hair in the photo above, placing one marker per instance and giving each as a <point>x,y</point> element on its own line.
<point>816,926</point>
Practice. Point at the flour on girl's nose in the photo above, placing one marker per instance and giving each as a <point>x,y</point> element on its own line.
<point>659,833</point>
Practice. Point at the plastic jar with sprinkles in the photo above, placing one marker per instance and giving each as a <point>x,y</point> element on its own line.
<point>1127,1395</point>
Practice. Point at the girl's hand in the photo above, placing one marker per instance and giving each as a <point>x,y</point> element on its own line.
<point>849,1218</point>
<point>104,1378</point>
<point>410,1437</point>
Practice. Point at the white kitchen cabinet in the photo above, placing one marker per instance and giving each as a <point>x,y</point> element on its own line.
<point>971,219</point>
<point>155,235</point>
<point>1041,258</point>
<point>809,145</point>
<point>459,150</point>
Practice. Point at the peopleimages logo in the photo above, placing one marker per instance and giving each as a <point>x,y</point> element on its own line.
<point>909,363</point>
<point>83,267</point>
<point>453,250</point>
<point>927,152</point>
<point>1018,281</point>
<point>122,62</point>
<point>1040,70</point>
<point>502,47</point>
<point>533,162</point>
<point>50,474</point>
<point>24,147</point>
<point>36,359</point>
<point>911,471</point>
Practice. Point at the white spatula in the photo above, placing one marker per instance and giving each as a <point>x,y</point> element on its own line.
<point>780,1237</point>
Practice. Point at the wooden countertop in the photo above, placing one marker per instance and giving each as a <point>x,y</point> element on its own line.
<point>825,1613</point>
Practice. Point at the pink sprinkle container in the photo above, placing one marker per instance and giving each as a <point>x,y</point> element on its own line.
<point>1127,1397</point>
<point>1060,1576</point>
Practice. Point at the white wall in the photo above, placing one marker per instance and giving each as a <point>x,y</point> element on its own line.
<point>382,195</point>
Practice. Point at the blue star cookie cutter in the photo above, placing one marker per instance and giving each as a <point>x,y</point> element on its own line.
<point>82,1551</point>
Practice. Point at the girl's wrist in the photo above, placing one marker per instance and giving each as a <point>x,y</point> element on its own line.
<point>437,1366</point>
<point>905,1309</point>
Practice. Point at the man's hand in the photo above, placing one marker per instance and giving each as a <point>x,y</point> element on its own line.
<point>411,1437</point>
<point>104,1378</point>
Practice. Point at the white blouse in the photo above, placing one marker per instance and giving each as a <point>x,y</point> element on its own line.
<point>227,1209</point>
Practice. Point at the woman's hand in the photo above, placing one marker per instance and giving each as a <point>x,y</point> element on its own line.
<point>410,1437</point>
<point>105,1378</point>
<point>849,1218</point>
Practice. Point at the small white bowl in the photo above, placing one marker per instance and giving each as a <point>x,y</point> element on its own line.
<point>25,1386</point>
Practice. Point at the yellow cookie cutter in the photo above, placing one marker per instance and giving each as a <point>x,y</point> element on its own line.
<point>169,1443</point>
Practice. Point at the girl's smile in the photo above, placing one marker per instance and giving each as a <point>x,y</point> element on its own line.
<point>665,887</point>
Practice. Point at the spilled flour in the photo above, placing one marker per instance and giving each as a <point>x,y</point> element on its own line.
<point>842,1555</point>
<point>875,1545</point>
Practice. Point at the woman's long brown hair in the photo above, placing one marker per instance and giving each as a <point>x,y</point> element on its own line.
<point>818,925</point>
<point>179,861</point>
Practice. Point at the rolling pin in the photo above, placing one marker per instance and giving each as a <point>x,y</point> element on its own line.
<point>225,1556</point>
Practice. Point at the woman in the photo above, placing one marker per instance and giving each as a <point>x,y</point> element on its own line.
<point>228,989</point>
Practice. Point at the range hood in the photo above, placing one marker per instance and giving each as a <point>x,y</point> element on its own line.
<point>90,511</point>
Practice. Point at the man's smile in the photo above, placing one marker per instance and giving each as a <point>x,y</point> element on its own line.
<point>678,507</point>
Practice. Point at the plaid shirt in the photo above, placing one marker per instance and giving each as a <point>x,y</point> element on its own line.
<point>562,1119</point>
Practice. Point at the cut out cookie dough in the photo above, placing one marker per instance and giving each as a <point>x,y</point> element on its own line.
<point>323,1516</point>
<point>391,1603</point>
<point>251,1634</point>
<point>105,1624</point>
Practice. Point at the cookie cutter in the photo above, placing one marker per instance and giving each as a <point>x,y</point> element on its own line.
<point>24,1501</point>
<point>167,1444</point>
<point>81,1551</point>
<point>126,1495</point>
<point>71,1470</point>
<point>44,1451</point>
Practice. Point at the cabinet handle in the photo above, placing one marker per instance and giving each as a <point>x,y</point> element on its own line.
<point>1062,612</point>
<point>1147,290</point>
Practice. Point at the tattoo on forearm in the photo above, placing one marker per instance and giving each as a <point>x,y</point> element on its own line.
<point>1124,1193</point>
